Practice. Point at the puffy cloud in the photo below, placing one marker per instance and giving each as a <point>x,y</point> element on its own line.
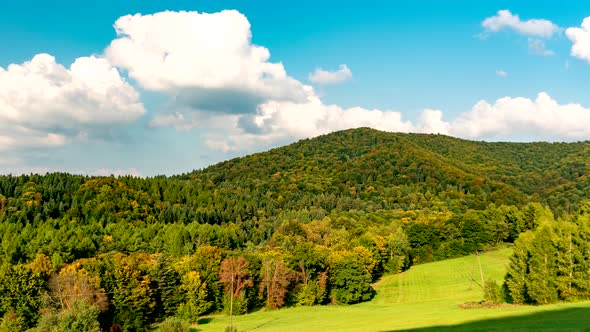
<point>116,172</point>
<point>281,122</point>
<point>226,87</point>
<point>314,118</point>
<point>431,121</point>
<point>177,120</point>
<point>507,118</point>
<point>42,103</point>
<point>206,61</point>
<point>13,137</point>
<point>8,160</point>
<point>501,73</point>
<point>17,169</point>
<point>321,76</point>
<point>542,118</point>
<point>580,37</point>
<point>504,19</point>
<point>537,47</point>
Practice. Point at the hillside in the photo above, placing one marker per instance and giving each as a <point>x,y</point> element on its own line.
<point>383,168</point>
<point>313,223</point>
<point>359,178</point>
<point>426,297</point>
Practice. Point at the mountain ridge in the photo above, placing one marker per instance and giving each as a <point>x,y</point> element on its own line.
<point>526,171</point>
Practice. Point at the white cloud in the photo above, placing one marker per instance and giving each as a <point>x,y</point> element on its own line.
<point>116,172</point>
<point>281,122</point>
<point>177,120</point>
<point>8,160</point>
<point>206,61</point>
<point>210,58</point>
<point>20,170</point>
<point>542,118</point>
<point>431,121</point>
<point>314,118</point>
<point>504,19</point>
<point>321,76</point>
<point>580,37</point>
<point>501,73</point>
<point>537,47</point>
<point>42,103</point>
<point>507,118</point>
<point>16,136</point>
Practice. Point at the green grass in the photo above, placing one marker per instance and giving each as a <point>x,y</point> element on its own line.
<point>425,298</point>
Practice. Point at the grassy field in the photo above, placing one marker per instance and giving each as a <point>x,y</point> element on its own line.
<point>425,298</point>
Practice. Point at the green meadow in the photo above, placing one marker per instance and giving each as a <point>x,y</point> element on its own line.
<point>424,298</point>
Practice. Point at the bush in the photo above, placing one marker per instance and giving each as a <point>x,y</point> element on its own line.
<point>310,294</point>
<point>351,282</point>
<point>240,305</point>
<point>492,292</point>
<point>11,322</point>
<point>82,317</point>
<point>231,329</point>
<point>173,324</point>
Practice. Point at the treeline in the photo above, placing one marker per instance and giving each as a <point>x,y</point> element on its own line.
<point>552,263</point>
<point>413,171</point>
<point>128,292</point>
<point>105,215</point>
<point>62,274</point>
<point>312,223</point>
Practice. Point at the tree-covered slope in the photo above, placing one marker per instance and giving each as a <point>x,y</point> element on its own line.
<point>314,222</point>
<point>393,170</point>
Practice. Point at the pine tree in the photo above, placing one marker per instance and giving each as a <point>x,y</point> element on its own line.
<point>566,233</point>
<point>542,276</point>
<point>167,292</point>
<point>517,271</point>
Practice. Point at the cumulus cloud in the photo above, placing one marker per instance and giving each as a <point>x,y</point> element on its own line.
<point>19,137</point>
<point>226,87</point>
<point>8,160</point>
<point>580,37</point>
<point>43,103</point>
<point>431,121</point>
<point>205,61</point>
<point>279,122</point>
<point>321,76</point>
<point>507,118</point>
<point>116,172</point>
<point>178,120</point>
<point>314,117</point>
<point>541,118</point>
<point>504,19</point>
<point>537,47</point>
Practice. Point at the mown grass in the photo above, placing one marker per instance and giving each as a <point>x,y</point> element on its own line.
<point>425,298</point>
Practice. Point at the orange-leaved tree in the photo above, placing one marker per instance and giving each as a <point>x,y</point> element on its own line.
<point>234,273</point>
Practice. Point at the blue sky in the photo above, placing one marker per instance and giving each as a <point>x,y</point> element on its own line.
<point>461,68</point>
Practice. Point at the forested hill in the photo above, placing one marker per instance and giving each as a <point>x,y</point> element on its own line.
<point>311,223</point>
<point>370,169</point>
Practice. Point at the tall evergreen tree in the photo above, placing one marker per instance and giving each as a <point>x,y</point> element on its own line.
<point>518,268</point>
<point>542,276</point>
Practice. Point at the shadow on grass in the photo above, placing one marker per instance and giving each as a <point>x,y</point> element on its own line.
<point>571,319</point>
<point>261,325</point>
<point>205,320</point>
<point>202,321</point>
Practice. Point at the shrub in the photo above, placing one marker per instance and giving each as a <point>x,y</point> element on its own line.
<point>11,322</point>
<point>231,329</point>
<point>492,292</point>
<point>82,317</point>
<point>173,324</point>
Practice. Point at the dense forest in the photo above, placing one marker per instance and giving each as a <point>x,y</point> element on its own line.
<point>312,223</point>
